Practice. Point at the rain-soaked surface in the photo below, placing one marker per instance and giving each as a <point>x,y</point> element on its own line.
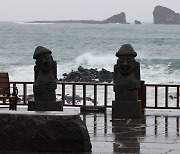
<point>158,131</point>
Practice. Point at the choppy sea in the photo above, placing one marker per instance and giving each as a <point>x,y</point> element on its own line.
<point>91,46</point>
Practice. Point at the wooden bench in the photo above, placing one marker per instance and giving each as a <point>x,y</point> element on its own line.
<point>5,93</point>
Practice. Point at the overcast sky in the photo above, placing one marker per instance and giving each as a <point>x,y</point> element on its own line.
<point>30,10</point>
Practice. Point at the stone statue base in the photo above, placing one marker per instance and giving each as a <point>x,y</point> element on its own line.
<point>43,132</point>
<point>126,109</point>
<point>45,105</point>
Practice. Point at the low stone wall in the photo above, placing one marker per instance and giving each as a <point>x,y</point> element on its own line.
<point>43,132</point>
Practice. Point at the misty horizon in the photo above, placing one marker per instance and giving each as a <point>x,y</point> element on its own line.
<point>51,10</point>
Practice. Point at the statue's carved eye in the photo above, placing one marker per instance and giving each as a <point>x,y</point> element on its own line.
<point>128,60</point>
<point>121,60</point>
<point>41,59</point>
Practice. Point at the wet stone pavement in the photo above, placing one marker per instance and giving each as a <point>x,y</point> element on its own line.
<point>156,132</point>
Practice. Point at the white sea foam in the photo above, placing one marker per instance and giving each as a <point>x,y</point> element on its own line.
<point>159,74</point>
<point>22,73</point>
<point>95,60</point>
<point>150,72</point>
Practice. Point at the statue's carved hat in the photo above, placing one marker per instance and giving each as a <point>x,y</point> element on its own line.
<point>126,50</point>
<point>40,50</point>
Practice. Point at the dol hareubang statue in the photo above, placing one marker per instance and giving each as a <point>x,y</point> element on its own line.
<point>45,75</point>
<point>126,84</point>
<point>45,82</point>
<point>126,74</point>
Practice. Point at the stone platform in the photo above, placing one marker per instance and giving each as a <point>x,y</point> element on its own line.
<point>45,105</point>
<point>158,131</point>
<point>31,131</point>
<point>126,109</point>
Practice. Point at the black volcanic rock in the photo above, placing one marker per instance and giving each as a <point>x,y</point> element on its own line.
<point>137,22</point>
<point>88,75</point>
<point>119,18</point>
<point>163,15</point>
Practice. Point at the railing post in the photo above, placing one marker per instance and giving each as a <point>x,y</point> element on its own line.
<point>84,94</point>
<point>95,95</point>
<point>73,94</point>
<point>105,95</point>
<point>25,93</point>
<point>166,96</point>
<point>63,93</point>
<point>156,91</point>
<point>142,94</point>
<point>177,97</point>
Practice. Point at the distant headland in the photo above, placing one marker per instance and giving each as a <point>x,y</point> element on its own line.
<point>161,15</point>
<point>119,18</point>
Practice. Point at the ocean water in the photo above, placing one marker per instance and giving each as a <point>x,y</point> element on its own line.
<point>91,46</point>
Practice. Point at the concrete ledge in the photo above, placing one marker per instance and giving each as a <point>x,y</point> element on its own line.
<point>92,108</point>
<point>43,132</point>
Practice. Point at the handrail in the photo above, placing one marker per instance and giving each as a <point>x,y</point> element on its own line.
<point>166,104</point>
<point>143,94</point>
<point>63,93</point>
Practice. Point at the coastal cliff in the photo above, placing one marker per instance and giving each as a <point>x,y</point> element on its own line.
<point>163,15</point>
<point>119,18</point>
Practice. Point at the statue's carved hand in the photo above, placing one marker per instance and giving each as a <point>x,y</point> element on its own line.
<point>51,86</point>
<point>39,88</point>
<point>132,85</point>
<point>118,88</point>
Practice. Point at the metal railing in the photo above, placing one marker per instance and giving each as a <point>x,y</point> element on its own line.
<point>169,100</point>
<point>146,90</point>
<point>61,90</point>
<point>94,87</point>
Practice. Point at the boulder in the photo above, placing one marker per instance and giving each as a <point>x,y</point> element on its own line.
<point>88,75</point>
<point>43,132</point>
<point>163,15</point>
<point>137,22</point>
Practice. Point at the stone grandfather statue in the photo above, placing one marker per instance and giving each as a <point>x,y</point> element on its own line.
<point>126,74</point>
<point>126,84</point>
<point>45,82</point>
<point>45,75</point>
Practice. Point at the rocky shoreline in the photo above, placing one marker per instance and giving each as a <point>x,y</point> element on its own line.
<point>88,75</point>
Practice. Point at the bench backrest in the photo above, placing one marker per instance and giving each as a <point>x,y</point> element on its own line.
<point>4,84</point>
